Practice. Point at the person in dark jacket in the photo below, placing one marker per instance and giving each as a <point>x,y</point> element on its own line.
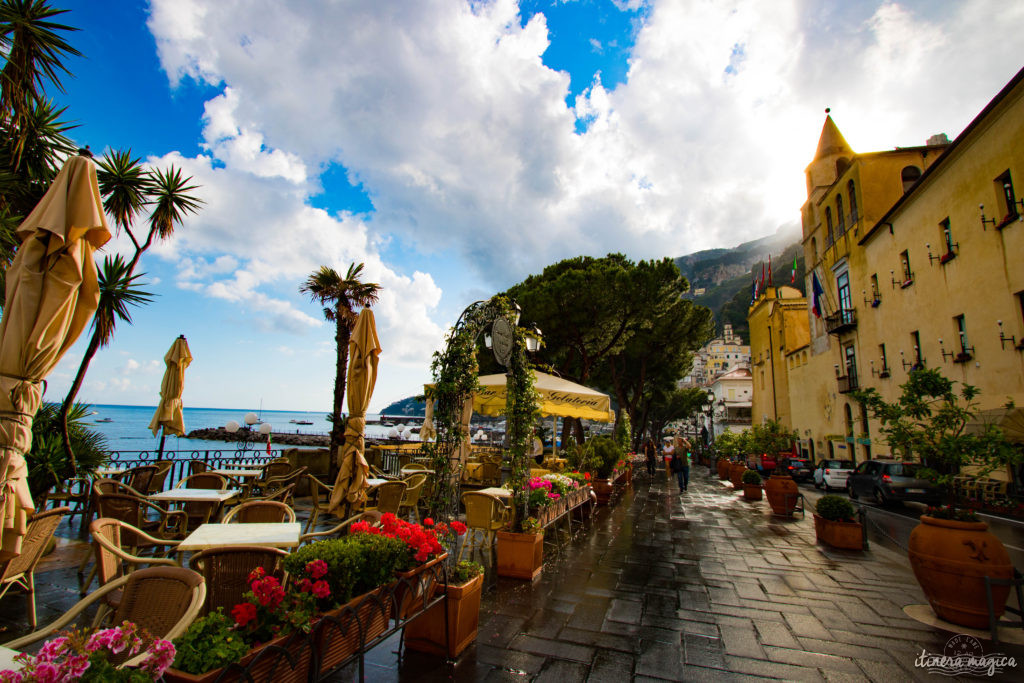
<point>679,464</point>
<point>650,452</point>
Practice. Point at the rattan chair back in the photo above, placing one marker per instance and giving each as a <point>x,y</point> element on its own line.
<point>156,484</point>
<point>389,497</point>
<point>159,599</point>
<point>276,469</point>
<point>484,511</point>
<point>20,569</point>
<point>260,512</point>
<point>140,477</point>
<point>227,570</point>
<point>202,480</point>
<point>197,466</point>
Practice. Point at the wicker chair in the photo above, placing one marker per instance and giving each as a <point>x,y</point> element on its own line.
<point>20,570</point>
<point>156,484</point>
<point>389,497</point>
<point>139,477</point>
<point>371,517</point>
<point>197,466</point>
<point>110,537</point>
<point>485,514</point>
<point>284,495</point>
<point>227,569</point>
<point>135,510</point>
<point>415,466</point>
<point>411,500</point>
<point>201,512</point>
<point>162,600</point>
<point>260,511</point>
<point>272,484</point>
<point>317,490</point>
<point>73,491</point>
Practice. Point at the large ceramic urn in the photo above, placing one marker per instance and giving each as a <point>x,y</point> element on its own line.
<point>951,560</point>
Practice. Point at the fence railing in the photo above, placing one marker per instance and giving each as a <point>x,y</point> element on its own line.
<point>214,459</point>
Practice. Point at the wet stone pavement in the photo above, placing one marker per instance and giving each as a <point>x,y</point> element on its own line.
<point>660,586</point>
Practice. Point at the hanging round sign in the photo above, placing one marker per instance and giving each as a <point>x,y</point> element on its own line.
<point>501,340</point>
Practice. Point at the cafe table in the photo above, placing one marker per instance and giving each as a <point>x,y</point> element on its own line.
<point>7,656</point>
<point>409,471</point>
<point>273,535</point>
<point>377,482</point>
<point>246,474</point>
<point>185,495</point>
<point>109,472</point>
<point>497,491</point>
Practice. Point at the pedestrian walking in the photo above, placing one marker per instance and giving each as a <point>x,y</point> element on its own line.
<point>650,452</point>
<point>679,467</point>
<point>668,449</point>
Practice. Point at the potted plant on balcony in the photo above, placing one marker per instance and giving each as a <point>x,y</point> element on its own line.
<point>751,485</point>
<point>836,525</point>
<point>426,633</point>
<point>521,550</point>
<point>951,551</point>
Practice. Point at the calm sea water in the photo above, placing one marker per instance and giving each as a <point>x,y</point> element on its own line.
<point>129,426</point>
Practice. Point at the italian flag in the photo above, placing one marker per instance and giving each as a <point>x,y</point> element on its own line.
<point>792,278</point>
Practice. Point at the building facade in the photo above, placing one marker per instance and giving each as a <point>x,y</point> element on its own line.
<point>903,270</point>
<point>716,357</point>
<point>779,340</point>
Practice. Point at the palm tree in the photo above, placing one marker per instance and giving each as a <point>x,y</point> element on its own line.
<point>339,296</point>
<point>128,189</point>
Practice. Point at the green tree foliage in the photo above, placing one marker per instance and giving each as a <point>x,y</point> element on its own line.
<point>341,298</point>
<point>928,422</point>
<point>47,464</point>
<point>770,437</point>
<point>594,310</point>
<point>662,406</point>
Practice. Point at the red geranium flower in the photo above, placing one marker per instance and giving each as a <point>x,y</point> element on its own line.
<point>243,612</point>
<point>428,521</point>
<point>321,589</point>
<point>317,569</point>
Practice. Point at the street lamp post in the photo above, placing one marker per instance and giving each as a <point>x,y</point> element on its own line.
<point>247,435</point>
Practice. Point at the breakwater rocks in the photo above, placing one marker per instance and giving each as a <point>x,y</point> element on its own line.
<point>221,434</point>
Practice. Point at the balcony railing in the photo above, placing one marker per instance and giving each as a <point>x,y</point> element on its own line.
<point>841,321</point>
<point>847,383</point>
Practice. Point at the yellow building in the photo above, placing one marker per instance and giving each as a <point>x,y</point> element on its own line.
<point>903,269</point>
<point>778,342</point>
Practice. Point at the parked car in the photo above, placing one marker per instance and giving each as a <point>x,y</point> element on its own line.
<point>765,464</point>
<point>885,481</point>
<point>798,468</point>
<point>832,474</point>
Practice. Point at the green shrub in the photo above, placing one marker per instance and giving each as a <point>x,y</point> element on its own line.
<point>356,564</point>
<point>464,571</point>
<point>209,643</point>
<point>835,508</point>
<point>604,454</point>
<point>751,477</point>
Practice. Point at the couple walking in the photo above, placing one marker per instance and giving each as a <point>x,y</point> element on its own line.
<point>677,455</point>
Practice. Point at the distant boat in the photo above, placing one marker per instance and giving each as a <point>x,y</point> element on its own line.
<point>104,419</point>
<point>301,422</point>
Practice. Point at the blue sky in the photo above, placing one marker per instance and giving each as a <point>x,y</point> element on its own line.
<point>457,147</point>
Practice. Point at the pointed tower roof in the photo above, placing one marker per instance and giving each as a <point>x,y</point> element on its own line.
<point>831,140</point>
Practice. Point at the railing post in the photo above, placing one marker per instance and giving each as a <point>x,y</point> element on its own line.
<point>862,517</point>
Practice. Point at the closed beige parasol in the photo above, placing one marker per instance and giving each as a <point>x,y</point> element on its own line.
<point>168,414</point>
<point>51,296</point>
<point>363,351</point>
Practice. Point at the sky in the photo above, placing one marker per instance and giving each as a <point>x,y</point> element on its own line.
<point>456,147</point>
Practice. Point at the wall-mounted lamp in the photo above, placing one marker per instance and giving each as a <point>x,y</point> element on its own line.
<point>892,275</point>
<point>985,221</point>
<point>837,369</point>
<point>876,298</point>
<point>945,354</point>
<point>1012,338</point>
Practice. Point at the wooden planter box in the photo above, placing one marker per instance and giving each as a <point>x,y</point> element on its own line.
<point>520,556</point>
<point>414,584</point>
<point>426,632</point>
<point>337,635</point>
<point>268,662</point>
<point>845,535</point>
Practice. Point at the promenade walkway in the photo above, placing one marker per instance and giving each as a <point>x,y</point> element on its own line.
<point>699,586</point>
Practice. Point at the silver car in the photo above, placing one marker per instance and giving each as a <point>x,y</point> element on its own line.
<point>832,474</point>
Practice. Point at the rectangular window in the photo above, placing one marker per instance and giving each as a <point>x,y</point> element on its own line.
<point>908,275</point>
<point>885,361</point>
<point>1007,198</point>
<point>851,364</point>
<point>961,330</point>
<point>947,237</point>
<point>875,292</point>
<point>915,339</point>
<point>845,302</point>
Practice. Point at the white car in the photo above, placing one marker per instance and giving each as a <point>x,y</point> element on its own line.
<point>832,474</point>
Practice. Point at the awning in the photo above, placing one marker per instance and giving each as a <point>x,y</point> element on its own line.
<point>558,397</point>
<point>1009,420</point>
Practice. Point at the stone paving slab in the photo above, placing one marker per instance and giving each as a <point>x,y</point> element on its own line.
<point>701,586</point>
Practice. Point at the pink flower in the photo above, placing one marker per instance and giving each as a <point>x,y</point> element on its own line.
<point>10,676</point>
<point>162,655</point>
<point>77,665</point>
<point>554,496</point>
<point>52,648</point>
<point>46,673</point>
<point>100,639</point>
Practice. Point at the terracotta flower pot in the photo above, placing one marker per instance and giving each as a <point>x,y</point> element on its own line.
<point>723,468</point>
<point>412,586</point>
<point>736,471</point>
<point>520,556</point>
<point>782,494</point>
<point>604,489</point>
<point>267,662</point>
<point>752,491</point>
<point>845,535</point>
<point>951,560</point>
<point>425,633</point>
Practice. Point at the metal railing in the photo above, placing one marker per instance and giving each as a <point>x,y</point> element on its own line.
<point>214,459</point>
<point>841,321</point>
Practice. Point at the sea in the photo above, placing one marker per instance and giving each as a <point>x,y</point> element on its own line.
<point>128,426</point>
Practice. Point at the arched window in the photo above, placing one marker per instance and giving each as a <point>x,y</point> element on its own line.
<point>909,175</point>
<point>840,215</point>
<point>828,221</point>
<point>851,191</point>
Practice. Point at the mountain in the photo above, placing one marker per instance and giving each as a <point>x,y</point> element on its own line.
<point>407,406</point>
<point>720,278</point>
